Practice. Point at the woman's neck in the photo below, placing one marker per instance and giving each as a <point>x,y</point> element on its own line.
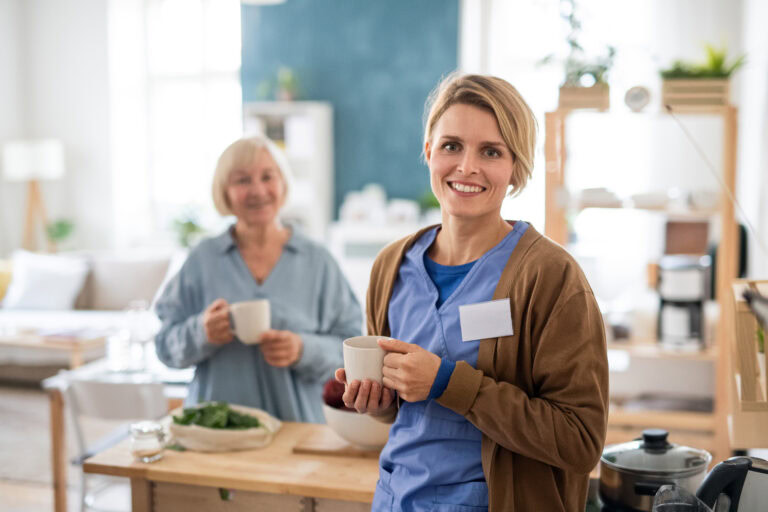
<point>462,240</point>
<point>259,236</point>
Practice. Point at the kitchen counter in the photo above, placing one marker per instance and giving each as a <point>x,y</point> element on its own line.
<point>271,478</point>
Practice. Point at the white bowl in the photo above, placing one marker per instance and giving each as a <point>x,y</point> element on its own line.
<point>359,429</point>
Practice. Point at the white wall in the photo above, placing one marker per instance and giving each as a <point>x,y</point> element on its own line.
<point>67,88</point>
<point>11,119</point>
<point>54,53</point>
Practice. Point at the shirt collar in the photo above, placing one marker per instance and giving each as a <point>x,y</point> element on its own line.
<point>225,242</point>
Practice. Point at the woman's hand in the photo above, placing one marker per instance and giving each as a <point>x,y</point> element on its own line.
<point>281,348</point>
<point>409,369</point>
<point>218,330</point>
<point>367,397</point>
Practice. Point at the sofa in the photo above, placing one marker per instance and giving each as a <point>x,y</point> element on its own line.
<point>84,294</point>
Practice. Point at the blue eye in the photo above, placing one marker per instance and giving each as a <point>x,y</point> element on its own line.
<point>451,146</point>
<point>492,153</point>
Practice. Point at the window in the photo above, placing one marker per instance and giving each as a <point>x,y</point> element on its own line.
<point>177,104</point>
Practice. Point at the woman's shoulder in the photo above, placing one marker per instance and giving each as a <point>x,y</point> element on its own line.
<point>208,249</point>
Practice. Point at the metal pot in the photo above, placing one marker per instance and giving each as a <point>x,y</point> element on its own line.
<point>631,473</point>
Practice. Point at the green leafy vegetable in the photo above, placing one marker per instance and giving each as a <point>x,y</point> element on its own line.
<point>216,415</point>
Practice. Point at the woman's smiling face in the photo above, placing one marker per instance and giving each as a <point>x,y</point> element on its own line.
<point>256,192</point>
<point>470,166</point>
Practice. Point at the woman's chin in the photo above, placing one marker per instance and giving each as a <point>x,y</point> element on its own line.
<point>258,220</point>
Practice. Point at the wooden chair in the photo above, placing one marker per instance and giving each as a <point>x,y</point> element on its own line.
<point>748,421</point>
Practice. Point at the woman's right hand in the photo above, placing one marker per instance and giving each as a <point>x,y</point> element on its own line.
<point>216,323</point>
<point>367,396</point>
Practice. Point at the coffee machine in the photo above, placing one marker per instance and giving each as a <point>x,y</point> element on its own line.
<point>683,286</point>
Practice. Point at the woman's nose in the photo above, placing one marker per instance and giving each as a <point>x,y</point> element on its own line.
<point>468,163</point>
<point>257,188</point>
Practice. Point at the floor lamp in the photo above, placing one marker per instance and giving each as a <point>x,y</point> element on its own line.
<point>32,161</point>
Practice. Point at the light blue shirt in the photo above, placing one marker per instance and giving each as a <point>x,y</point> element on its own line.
<point>308,295</point>
<point>432,459</point>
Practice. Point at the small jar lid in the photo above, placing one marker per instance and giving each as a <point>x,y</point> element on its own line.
<point>146,427</point>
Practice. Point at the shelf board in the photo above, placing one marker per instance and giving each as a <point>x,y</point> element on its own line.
<point>650,349</point>
<point>682,214</point>
<point>668,420</point>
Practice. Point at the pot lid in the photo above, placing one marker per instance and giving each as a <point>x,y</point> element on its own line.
<point>654,454</point>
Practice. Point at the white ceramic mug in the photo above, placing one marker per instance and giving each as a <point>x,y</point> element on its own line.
<point>363,358</point>
<point>250,319</point>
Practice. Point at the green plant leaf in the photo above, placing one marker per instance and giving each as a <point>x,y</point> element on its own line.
<point>59,230</point>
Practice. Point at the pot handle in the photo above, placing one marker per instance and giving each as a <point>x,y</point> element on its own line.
<point>648,488</point>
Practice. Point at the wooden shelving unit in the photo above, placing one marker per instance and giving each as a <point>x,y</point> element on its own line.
<point>705,430</point>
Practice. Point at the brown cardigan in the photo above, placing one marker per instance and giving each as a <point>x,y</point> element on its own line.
<point>540,396</point>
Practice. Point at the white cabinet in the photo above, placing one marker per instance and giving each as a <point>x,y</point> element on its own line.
<point>304,129</point>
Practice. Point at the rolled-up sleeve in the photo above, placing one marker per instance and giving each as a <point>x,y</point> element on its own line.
<point>181,342</point>
<point>340,318</point>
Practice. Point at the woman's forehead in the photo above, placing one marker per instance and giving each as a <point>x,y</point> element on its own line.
<point>254,161</point>
<point>461,120</point>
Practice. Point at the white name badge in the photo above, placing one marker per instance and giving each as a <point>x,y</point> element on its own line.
<point>485,320</point>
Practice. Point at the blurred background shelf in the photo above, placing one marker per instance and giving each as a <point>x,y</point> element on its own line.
<point>704,372</point>
<point>652,349</point>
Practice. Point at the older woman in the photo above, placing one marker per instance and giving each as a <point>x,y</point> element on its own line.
<point>312,306</point>
<point>499,355</point>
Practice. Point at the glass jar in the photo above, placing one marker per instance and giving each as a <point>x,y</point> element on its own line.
<point>147,441</point>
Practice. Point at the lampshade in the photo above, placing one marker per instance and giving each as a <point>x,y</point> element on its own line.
<point>33,159</point>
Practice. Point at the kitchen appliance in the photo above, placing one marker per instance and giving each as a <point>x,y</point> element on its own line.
<point>631,473</point>
<point>739,484</point>
<point>744,480</point>
<point>683,287</point>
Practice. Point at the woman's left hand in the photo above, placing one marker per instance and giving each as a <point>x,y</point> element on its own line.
<point>281,348</point>
<point>409,369</point>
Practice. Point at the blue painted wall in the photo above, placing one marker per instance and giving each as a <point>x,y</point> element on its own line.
<point>375,61</point>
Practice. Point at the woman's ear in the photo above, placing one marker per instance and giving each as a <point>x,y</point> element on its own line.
<point>427,151</point>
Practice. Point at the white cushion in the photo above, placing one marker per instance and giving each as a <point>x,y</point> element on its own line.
<point>117,280</point>
<point>44,281</point>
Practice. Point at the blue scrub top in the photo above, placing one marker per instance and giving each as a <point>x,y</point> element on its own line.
<point>432,459</point>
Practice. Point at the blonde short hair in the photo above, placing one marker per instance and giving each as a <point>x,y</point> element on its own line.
<point>241,154</point>
<point>517,123</point>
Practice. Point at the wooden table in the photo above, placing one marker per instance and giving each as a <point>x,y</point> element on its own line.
<point>269,479</point>
<point>176,386</point>
<point>74,346</point>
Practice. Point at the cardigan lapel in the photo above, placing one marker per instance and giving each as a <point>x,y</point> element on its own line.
<point>487,349</point>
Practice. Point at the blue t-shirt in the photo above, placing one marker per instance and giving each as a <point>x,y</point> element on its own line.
<point>446,277</point>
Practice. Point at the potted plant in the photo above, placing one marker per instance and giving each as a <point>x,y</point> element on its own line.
<point>58,232</point>
<point>187,228</point>
<point>704,84</point>
<point>585,84</point>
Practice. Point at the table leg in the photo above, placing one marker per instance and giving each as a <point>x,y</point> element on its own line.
<point>75,358</point>
<point>58,451</point>
<point>141,495</point>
